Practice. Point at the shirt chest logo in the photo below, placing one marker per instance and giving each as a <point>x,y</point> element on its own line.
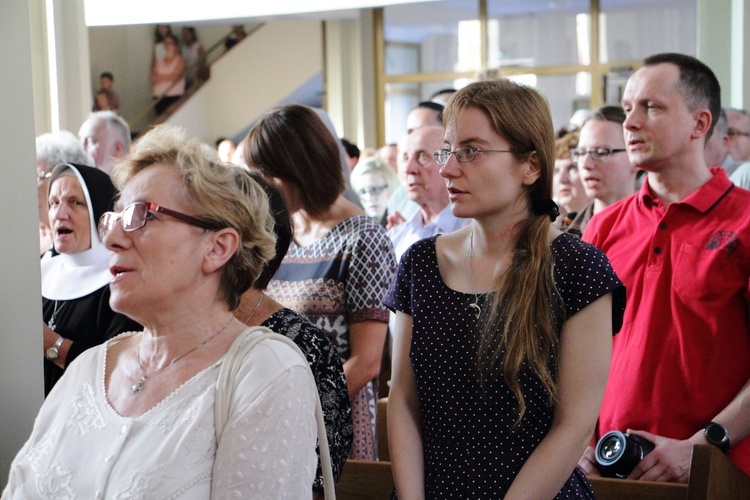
<point>723,240</point>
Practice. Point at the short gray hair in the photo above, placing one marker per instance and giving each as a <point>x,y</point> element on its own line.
<point>114,122</point>
<point>54,148</point>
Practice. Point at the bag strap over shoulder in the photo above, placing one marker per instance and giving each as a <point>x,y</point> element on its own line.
<point>228,370</point>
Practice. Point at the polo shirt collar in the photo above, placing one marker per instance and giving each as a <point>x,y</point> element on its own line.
<point>702,199</point>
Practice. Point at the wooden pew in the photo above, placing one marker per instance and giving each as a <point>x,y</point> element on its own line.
<point>713,477</point>
<point>620,489</point>
<point>382,429</point>
<point>364,480</point>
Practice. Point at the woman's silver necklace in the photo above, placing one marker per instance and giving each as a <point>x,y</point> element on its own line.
<point>254,310</point>
<point>474,306</point>
<point>52,321</point>
<point>138,386</point>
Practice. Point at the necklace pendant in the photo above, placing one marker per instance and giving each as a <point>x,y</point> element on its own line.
<point>51,323</point>
<point>138,386</point>
<point>476,309</point>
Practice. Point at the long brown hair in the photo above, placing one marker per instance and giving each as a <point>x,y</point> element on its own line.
<point>519,333</point>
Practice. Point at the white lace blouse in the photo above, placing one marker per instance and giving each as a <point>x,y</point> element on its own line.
<point>81,448</point>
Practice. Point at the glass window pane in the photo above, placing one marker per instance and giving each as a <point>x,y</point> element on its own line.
<point>630,32</point>
<point>568,96</point>
<point>537,32</point>
<point>432,37</point>
<point>401,98</point>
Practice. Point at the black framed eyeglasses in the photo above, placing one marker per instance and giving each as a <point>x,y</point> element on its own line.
<point>463,155</point>
<point>597,154</point>
<point>134,217</point>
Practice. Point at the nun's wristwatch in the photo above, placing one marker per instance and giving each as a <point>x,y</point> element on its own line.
<point>54,351</point>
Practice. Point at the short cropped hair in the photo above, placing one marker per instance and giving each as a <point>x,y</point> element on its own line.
<point>608,113</point>
<point>220,194</point>
<point>115,123</point>
<point>352,151</point>
<point>698,84</point>
<point>435,106</point>
<point>291,143</point>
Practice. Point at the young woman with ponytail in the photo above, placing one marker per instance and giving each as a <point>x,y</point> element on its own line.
<point>503,328</point>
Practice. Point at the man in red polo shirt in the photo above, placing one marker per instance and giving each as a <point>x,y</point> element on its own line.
<point>681,363</point>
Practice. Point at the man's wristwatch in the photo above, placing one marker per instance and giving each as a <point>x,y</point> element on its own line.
<point>717,435</point>
<point>54,351</point>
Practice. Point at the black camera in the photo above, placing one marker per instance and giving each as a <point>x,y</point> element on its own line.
<point>617,454</point>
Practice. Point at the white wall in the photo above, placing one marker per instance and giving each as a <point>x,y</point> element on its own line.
<point>350,78</point>
<point>21,390</point>
<point>252,77</point>
<point>125,51</point>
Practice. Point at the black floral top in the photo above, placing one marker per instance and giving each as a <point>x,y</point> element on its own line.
<point>328,371</point>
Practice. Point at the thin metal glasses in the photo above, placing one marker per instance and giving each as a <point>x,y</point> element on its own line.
<point>372,190</point>
<point>422,157</point>
<point>134,217</point>
<point>463,155</point>
<point>597,154</point>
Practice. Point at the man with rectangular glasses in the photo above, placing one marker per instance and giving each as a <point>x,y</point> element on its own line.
<point>425,187</point>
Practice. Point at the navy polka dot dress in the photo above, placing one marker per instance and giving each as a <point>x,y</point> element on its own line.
<point>471,447</point>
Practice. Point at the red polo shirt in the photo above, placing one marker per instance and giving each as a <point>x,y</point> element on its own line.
<point>684,349</point>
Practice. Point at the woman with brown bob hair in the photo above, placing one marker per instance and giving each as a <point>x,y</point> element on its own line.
<point>340,262</point>
<point>503,328</point>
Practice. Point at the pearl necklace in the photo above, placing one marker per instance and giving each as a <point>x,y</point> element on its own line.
<point>138,386</point>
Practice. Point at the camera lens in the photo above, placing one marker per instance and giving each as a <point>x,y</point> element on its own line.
<point>617,454</point>
<point>611,448</point>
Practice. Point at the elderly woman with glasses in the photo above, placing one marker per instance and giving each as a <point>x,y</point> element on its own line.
<point>135,417</point>
<point>374,181</point>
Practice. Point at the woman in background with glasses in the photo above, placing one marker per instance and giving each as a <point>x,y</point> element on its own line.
<point>503,328</point>
<point>603,165</point>
<point>374,181</point>
<point>134,418</point>
<point>340,262</point>
<point>75,271</point>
